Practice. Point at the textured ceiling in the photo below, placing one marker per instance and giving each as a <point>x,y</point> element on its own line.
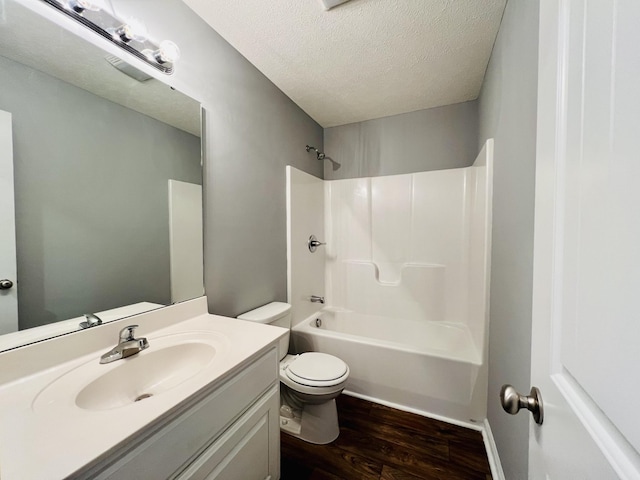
<point>366,58</point>
<point>32,40</point>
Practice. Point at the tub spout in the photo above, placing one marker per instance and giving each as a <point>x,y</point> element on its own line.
<point>316,299</point>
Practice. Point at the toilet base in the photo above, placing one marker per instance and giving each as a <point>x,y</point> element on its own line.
<point>316,424</point>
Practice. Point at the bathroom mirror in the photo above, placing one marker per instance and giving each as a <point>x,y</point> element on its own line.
<point>107,173</point>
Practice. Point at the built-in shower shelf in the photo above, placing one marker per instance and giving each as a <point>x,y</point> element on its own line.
<point>405,264</point>
<point>417,293</point>
<point>396,274</point>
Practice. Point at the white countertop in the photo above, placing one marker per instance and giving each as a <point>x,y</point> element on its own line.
<point>35,334</point>
<point>53,442</point>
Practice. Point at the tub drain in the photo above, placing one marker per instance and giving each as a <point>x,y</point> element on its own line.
<point>143,396</point>
<point>318,322</point>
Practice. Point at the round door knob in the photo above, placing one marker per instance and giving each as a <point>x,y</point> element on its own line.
<point>512,402</point>
<point>5,284</point>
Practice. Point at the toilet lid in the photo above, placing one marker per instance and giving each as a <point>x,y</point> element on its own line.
<point>314,367</point>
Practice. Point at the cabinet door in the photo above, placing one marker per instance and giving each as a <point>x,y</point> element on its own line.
<point>248,450</point>
<point>249,459</point>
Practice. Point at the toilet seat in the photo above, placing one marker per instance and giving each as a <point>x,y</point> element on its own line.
<point>315,369</point>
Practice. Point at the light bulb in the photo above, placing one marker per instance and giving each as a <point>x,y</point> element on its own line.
<point>167,53</point>
<point>80,6</point>
<point>134,29</point>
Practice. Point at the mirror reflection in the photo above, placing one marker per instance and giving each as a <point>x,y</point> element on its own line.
<point>106,173</point>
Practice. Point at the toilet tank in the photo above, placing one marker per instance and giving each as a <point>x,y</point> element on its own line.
<point>274,313</point>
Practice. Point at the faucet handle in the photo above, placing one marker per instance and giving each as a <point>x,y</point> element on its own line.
<point>314,243</point>
<point>127,333</point>
<point>90,320</point>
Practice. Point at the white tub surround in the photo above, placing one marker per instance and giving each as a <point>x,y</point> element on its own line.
<point>406,284</point>
<point>63,437</point>
<point>411,246</point>
<point>305,217</point>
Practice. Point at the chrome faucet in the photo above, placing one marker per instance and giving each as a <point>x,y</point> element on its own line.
<point>90,320</point>
<point>316,299</point>
<point>127,345</point>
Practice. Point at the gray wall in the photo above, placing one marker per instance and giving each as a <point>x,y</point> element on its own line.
<point>253,132</point>
<point>92,220</point>
<point>508,114</point>
<point>431,139</point>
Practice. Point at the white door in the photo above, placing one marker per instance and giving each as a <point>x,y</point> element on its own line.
<point>8,284</point>
<point>586,299</point>
<point>185,241</point>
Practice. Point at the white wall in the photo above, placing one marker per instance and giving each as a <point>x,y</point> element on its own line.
<point>508,113</point>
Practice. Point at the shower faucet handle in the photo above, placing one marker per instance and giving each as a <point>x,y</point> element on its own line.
<point>314,243</point>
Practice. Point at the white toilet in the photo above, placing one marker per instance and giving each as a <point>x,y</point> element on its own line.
<point>309,382</point>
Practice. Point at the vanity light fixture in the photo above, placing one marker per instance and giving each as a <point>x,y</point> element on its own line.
<point>130,35</point>
<point>134,29</point>
<point>167,53</point>
<point>79,6</point>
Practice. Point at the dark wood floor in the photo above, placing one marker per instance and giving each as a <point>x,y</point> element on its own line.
<point>381,443</point>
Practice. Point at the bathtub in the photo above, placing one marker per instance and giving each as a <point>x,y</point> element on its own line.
<point>428,367</point>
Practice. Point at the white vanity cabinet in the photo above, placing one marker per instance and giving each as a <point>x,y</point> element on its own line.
<point>229,431</point>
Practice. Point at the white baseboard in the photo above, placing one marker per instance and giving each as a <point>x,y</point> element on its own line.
<point>492,452</point>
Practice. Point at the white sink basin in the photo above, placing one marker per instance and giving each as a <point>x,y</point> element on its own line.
<point>135,379</point>
<point>168,362</point>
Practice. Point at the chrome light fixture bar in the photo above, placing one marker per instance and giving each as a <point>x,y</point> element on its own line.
<point>131,36</point>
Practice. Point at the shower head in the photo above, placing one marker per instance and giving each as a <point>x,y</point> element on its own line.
<point>319,154</point>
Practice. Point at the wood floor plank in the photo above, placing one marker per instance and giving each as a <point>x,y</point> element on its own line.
<point>411,460</point>
<point>352,406</point>
<point>319,474</point>
<point>379,450</point>
<point>292,469</point>
<point>437,428</point>
<point>344,464</point>
<point>380,443</point>
<point>401,436</point>
<point>472,456</point>
<point>389,473</point>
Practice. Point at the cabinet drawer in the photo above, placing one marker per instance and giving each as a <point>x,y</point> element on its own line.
<point>178,442</point>
<point>248,450</point>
